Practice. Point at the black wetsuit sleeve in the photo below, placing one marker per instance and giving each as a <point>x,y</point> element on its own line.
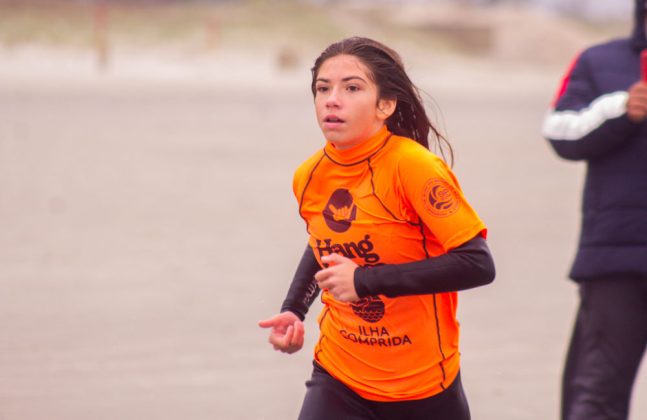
<point>303,289</point>
<point>464,267</point>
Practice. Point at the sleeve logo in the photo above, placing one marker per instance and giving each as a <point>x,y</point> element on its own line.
<point>440,198</point>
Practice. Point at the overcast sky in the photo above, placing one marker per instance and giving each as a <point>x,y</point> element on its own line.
<point>597,9</point>
<point>593,9</point>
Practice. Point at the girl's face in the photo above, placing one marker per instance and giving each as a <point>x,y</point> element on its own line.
<point>346,102</point>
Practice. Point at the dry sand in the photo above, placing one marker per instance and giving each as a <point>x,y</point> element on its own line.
<point>148,224</point>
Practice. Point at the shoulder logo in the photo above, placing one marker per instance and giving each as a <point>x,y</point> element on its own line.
<point>340,211</point>
<point>440,198</point>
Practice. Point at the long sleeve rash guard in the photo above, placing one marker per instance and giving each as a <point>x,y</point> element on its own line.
<point>468,266</point>
<point>395,209</point>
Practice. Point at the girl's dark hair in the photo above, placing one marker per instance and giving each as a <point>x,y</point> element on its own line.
<point>387,72</point>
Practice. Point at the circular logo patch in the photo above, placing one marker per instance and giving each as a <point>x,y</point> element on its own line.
<point>440,199</point>
<point>340,211</point>
<point>370,309</point>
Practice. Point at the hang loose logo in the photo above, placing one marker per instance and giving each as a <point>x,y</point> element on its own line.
<point>340,211</point>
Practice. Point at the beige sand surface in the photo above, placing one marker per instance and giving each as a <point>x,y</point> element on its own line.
<point>147,223</point>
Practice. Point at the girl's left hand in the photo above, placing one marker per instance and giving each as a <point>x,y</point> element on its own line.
<point>338,278</point>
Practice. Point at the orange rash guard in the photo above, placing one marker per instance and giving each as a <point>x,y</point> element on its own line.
<point>386,201</point>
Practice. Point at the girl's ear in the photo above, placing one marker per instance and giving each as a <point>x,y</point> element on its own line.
<point>386,108</point>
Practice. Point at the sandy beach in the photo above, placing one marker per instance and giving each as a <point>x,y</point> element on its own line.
<point>148,223</point>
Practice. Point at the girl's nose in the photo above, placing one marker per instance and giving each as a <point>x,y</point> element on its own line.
<point>333,99</point>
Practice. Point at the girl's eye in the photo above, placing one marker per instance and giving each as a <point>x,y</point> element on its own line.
<point>322,89</point>
<point>353,88</point>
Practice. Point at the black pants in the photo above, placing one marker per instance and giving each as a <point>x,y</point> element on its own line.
<point>607,345</point>
<point>328,399</point>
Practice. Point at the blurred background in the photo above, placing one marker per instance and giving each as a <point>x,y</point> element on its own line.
<point>146,214</point>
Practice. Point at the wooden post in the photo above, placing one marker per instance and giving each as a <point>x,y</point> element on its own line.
<point>212,31</point>
<point>101,34</point>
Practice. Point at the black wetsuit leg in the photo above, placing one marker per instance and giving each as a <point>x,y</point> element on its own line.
<point>451,404</point>
<point>327,398</point>
<point>606,348</point>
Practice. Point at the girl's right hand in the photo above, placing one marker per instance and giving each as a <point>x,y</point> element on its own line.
<point>287,332</point>
<point>637,102</point>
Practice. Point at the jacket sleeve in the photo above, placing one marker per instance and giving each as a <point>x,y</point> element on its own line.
<point>467,266</point>
<point>303,289</point>
<point>583,123</point>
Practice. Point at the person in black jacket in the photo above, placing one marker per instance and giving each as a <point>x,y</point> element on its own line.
<point>599,117</point>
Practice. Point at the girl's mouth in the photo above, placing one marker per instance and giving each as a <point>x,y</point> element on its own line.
<point>333,119</point>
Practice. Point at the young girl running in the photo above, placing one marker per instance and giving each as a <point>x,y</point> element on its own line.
<point>391,241</point>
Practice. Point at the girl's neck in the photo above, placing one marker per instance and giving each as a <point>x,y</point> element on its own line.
<point>360,151</point>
